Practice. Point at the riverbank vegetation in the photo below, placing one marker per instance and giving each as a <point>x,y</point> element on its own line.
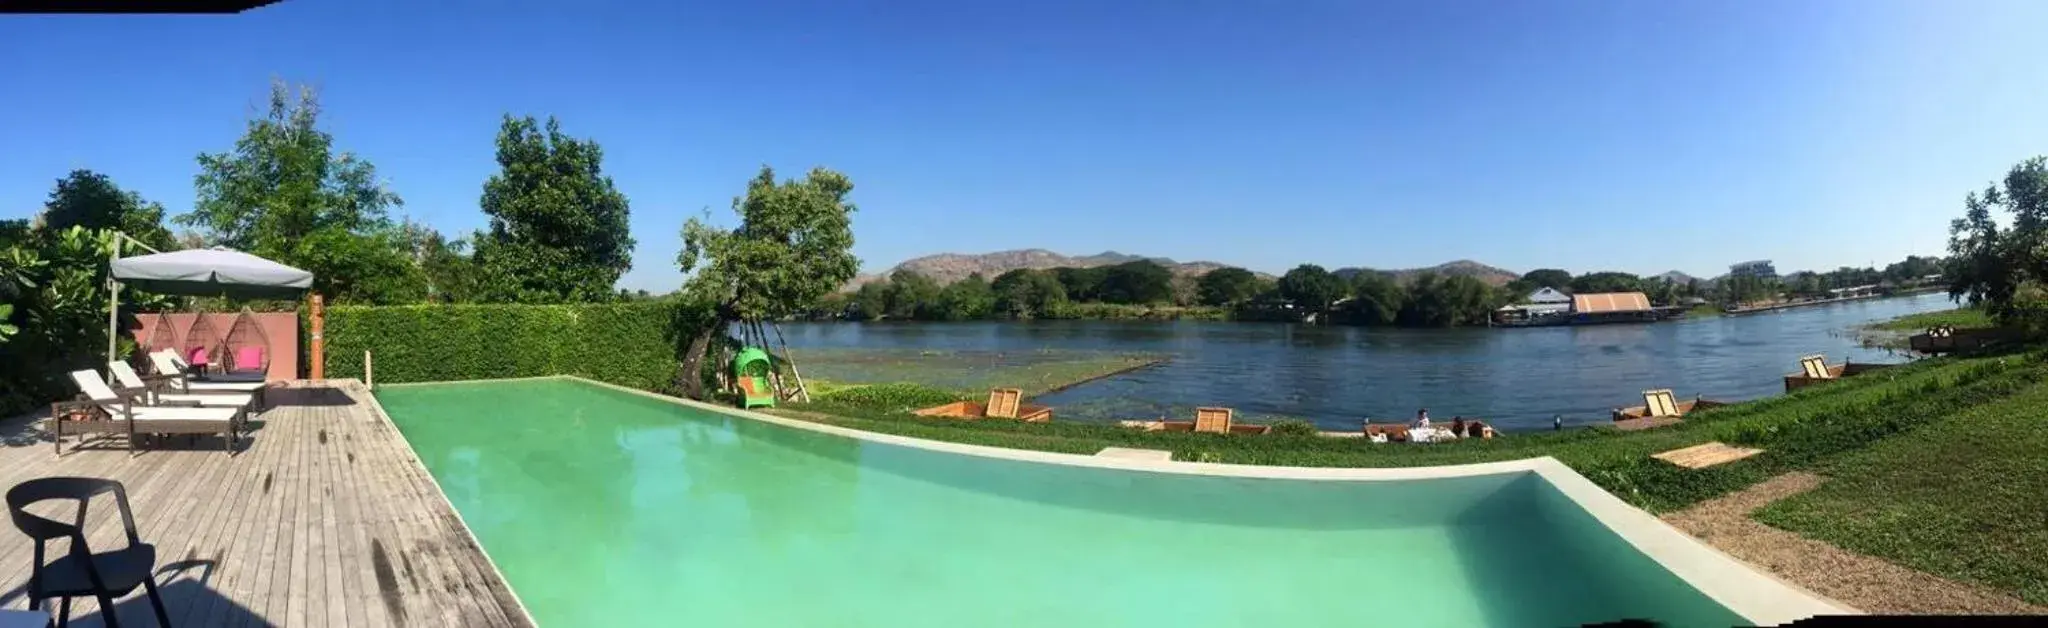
<point>1146,290</point>
<point>1959,318</point>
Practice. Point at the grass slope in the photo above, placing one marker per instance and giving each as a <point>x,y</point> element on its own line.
<point>1964,497</point>
<point>1797,431</point>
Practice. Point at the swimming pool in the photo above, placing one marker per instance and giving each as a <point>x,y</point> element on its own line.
<point>604,507</point>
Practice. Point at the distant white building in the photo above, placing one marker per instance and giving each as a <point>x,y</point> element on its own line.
<point>1547,301</point>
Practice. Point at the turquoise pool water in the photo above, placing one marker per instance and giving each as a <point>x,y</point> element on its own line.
<point>605,508</point>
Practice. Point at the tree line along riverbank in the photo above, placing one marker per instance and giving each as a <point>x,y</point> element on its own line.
<point>1146,290</point>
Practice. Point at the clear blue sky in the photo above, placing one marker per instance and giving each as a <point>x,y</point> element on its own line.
<point>1636,136</point>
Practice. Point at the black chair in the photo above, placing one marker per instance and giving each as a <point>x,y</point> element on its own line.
<point>104,575</point>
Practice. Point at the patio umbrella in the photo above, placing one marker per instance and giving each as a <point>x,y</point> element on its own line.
<point>212,273</point>
<point>203,273</point>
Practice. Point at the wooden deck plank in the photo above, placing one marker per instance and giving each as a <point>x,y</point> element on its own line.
<point>1706,455</point>
<point>293,525</point>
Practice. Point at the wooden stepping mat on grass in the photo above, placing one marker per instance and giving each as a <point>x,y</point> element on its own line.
<point>1706,455</point>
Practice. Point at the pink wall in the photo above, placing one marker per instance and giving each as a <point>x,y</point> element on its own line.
<point>282,329</point>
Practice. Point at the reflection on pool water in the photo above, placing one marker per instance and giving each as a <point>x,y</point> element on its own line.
<point>608,508</point>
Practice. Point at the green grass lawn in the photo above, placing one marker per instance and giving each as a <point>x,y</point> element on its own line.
<point>1964,497</point>
<point>1959,318</point>
<point>1797,431</point>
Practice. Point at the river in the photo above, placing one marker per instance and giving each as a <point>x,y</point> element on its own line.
<point>1517,379</point>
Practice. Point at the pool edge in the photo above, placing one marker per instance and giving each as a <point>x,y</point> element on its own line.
<point>1750,592</point>
<point>413,455</point>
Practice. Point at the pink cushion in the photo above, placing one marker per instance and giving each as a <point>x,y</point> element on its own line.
<point>248,358</point>
<point>198,355</point>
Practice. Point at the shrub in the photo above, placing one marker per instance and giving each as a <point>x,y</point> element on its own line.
<point>1295,427</point>
<point>629,344</point>
<point>888,397</point>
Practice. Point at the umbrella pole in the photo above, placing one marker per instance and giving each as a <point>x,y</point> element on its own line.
<point>113,301</point>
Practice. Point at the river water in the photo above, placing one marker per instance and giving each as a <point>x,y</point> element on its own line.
<point>1517,379</point>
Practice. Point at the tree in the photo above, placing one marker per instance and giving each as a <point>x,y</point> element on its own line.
<point>871,301</point>
<point>91,200</point>
<point>1227,286</point>
<point>449,272</point>
<point>794,245</point>
<point>1988,266</point>
<point>283,193</point>
<point>1912,269</point>
<point>1552,278</point>
<point>911,295</point>
<point>1376,299</point>
<point>1309,286</point>
<point>1606,281</point>
<point>966,299</point>
<point>558,226</point>
<point>1081,284</point>
<point>1136,282</point>
<point>1438,301</point>
<point>1025,293</point>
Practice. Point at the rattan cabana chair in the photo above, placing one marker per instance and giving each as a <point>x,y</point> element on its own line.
<point>246,348</point>
<point>201,347</point>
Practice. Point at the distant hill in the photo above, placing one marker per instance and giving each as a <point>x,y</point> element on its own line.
<point>1492,275</point>
<point>950,267</point>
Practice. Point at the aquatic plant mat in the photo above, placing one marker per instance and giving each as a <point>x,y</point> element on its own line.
<point>1035,372</point>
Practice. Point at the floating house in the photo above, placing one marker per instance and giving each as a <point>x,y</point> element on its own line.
<point>1612,307</point>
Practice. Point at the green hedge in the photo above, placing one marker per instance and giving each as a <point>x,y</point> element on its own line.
<point>629,344</point>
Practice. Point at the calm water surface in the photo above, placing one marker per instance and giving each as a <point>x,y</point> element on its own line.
<point>605,508</point>
<point>1336,376</point>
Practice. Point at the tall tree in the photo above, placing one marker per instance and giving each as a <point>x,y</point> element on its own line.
<point>1227,286</point>
<point>91,200</point>
<point>966,299</point>
<point>1606,281</point>
<point>1309,286</point>
<point>1988,265</point>
<point>911,295</point>
<point>1548,278</point>
<point>1141,281</point>
<point>558,226</point>
<point>794,245</point>
<point>1026,293</point>
<point>871,301</point>
<point>285,194</point>
<point>1376,299</point>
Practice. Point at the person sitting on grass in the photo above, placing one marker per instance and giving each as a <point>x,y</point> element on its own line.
<point>1458,426</point>
<point>1422,418</point>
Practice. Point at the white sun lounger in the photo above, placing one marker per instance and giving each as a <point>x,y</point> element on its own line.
<point>124,416</point>
<point>166,362</point>
<point>125,376</point>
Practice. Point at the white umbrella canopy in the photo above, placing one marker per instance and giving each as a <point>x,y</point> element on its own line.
<point>212,273</point>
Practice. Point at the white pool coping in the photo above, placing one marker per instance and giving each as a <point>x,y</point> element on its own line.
<point>1748,591</point>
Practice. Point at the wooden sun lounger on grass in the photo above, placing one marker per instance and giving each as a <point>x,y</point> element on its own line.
<point>103,411</point>
<point>1814,369</point>
<point>1003,403</point>
<point>1660,404</point>
<point>1210,420</point>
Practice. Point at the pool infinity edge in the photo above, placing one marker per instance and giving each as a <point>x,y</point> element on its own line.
<point>1744,589</point>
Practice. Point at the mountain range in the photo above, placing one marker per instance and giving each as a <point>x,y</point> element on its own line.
<point>950,267</point>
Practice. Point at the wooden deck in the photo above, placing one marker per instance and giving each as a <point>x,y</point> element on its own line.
<point>1706,455</point>
<point>325,518</point>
